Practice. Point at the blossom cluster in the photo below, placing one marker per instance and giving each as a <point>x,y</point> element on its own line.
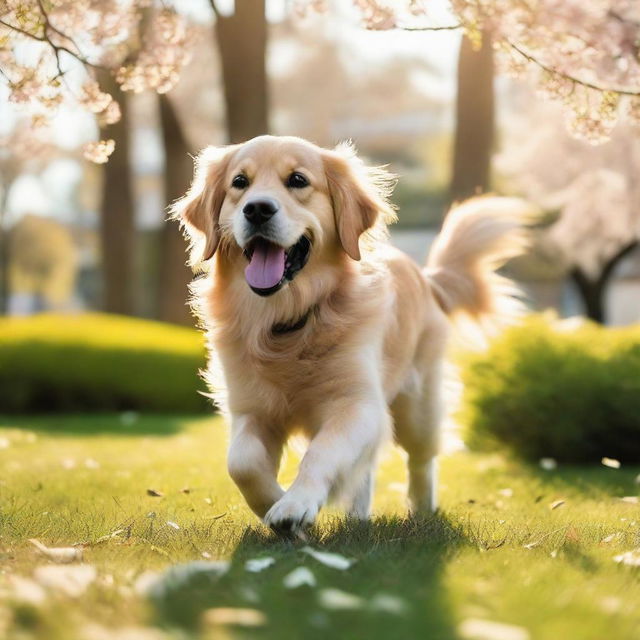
<point>593,191</point>
<point>52,50</point>
<point>584,54</point>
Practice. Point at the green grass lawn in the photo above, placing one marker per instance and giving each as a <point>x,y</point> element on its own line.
<point>497,552</point>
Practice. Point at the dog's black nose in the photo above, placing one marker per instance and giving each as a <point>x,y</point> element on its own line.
<point>259,211</point>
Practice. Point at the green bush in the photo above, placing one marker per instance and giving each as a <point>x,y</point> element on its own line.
<point>570,395</point>
<point>98,362</point>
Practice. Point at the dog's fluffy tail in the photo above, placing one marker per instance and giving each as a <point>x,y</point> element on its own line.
<point>478,237</point>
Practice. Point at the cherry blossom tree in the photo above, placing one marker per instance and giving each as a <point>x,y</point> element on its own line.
<point>52,50</point>
<point>593,192</point>
<point>583,54</point>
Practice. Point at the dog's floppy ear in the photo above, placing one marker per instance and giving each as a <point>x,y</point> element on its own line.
<point>198,211</point>
<point>359,194</point>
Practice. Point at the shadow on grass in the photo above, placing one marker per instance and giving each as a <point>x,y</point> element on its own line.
<point>124,424</point>
<point>394,556</point>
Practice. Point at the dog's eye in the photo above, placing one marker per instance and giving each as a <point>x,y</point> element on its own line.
<point>240,181</point>
<point>297,181</point>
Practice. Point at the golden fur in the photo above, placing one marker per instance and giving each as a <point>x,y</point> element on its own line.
<point>367,364</point>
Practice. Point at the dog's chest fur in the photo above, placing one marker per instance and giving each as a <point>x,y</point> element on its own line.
<point>275,374</point>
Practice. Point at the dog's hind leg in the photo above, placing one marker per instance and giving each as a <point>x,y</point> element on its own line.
<point>417,416</point>
<point>253,461</point>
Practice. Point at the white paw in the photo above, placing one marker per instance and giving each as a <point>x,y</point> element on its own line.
<point>290,515</point>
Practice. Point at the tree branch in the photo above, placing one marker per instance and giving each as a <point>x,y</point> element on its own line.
<point>446,27</point>
<point>216,13</point>
<point>589,85</point>
<point>48,25</point>
<point>56,48</point>
<point>615,260</point>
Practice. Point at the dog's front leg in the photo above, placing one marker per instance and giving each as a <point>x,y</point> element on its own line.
<point>346,444</point>
<point>253,461</point>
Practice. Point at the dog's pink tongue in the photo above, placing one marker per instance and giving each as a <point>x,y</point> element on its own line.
<point>266,267</point>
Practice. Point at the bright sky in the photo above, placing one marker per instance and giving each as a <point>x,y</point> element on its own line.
<point>53,192</point>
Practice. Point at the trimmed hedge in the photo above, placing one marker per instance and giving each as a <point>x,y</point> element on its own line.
<point>98,362</point>
<point>543,392</point>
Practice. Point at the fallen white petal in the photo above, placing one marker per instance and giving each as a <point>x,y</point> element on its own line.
<point>178,576</point>
<point>249,594</point>
<point>256,565</point>
<point>234,616</point>
<point>611,463</point>
<point>174,525</point>
<point>299,577</point>
<point>128,418</point>
<point>548,464</point>
<point>478,629</point>
<point>145,581</point>
<point>26,590</point>
<point>333,560</point>
<point>631,499</point>
<point>339,600</point>
<point>629,558</point>
<point>58,554</point>
<point>94,631</point>
<point>70,581</point>
<point>388,603</point>
<point>507,493</point>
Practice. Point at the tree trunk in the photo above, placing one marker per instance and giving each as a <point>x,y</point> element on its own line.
<point>474,132</point>
<point>592,294</point>
<point>242,42</point>
<point>592,291</point>
<point>174,273</point>
<point>5,249</point>
<point>117,233</point>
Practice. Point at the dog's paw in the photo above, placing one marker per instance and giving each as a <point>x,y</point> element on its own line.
<point>290,515</point>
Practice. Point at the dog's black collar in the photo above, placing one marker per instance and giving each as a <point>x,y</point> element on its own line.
<point>283,328</point>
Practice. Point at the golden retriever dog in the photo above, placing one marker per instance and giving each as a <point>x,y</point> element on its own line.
<point>316,324</point>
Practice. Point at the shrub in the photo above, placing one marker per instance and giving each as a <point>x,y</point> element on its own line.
<point>98,362</point>
<point>571,395</point>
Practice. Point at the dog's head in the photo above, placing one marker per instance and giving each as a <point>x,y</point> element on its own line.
<point>280,201</point>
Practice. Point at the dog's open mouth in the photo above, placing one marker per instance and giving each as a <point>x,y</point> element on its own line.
<point>271,266</point>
